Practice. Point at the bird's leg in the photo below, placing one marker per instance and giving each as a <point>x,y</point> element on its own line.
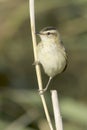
<point>45,89</point>
<point>47,85</point>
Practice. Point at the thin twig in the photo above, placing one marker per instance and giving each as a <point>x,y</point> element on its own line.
<point>57,116</point>
<point>38,72</point>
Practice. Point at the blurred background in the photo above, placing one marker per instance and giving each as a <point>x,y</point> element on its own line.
<point>20,104</point>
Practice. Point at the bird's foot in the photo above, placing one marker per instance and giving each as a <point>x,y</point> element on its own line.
<point>41,92</point>
<point>36,63</point>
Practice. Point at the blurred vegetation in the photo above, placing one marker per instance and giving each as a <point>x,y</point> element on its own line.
<point>20,104</point>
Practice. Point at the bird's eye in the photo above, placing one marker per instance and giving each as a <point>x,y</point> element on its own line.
<point>48,33</point>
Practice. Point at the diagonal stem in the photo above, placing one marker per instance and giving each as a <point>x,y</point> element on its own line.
<point>37,67</point>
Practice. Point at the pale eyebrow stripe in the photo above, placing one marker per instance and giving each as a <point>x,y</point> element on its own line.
<point>48,28</point>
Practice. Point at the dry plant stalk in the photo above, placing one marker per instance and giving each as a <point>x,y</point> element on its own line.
<point>57,116</point>
<point>38,72</point>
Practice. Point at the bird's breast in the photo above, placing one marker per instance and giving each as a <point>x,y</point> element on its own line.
<point>52,59</point>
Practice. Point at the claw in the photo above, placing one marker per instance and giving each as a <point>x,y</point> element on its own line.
<point>36,63</point>
<point>41,92</point>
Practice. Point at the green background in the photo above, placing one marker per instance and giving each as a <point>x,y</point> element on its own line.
<point>18,84</point>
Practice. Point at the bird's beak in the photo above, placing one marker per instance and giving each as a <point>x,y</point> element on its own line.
<point>37,33</point>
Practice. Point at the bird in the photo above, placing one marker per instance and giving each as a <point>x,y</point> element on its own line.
<point>51,53</point>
